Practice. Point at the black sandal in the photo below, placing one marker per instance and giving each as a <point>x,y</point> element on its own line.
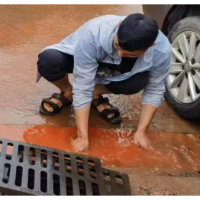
<point>56,109</point>
<point>116,119</point>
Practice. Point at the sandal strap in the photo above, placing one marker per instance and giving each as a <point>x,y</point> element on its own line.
<point>106,112</point>
<point>55,107</point>
<point>96,102</point>
<point>62,98</point>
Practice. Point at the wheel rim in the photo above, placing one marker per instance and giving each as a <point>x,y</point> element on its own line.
<point>183,81</point>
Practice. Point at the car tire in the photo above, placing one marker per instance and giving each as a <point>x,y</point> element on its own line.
<point>189,111</point>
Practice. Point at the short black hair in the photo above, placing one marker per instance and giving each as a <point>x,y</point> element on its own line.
<point>137,32</point>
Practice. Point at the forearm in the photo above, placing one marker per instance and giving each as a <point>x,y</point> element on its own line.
<point>147,114</point>
<point>82,117</point>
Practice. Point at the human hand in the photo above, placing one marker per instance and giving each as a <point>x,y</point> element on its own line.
<point>80,144</point>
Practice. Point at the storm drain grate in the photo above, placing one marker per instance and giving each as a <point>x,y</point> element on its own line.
<point>29,169</point>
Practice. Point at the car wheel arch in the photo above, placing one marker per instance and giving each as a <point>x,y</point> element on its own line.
<point>173,17</point>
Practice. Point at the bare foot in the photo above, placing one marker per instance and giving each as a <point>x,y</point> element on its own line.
<point>80,144</point>
<point>56,101</point>
<point>49,108</point>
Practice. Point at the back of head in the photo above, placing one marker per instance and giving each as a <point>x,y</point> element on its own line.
<point>137,32</point>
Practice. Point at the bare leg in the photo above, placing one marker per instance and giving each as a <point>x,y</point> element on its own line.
<point>64,85</point>
<point>99,90</point>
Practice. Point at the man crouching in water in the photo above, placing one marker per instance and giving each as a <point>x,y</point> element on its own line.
<point>108,54</point>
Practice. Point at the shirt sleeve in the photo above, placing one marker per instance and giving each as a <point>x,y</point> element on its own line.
<point>154,91</point>
<point>85,67</point>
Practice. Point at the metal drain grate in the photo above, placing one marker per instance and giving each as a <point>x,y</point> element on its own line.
<point>35,170</point>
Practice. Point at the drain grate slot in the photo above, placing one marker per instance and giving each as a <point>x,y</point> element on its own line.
<point>20,153</point>
<point>43,159</point>
<point>55,161</point>
<point>92,168</point>
<point>95,189</point>
<point>30,169</point>
<point>119,180</point>
<point>56,184</point>
<point>107,182</point>
<point>6,173</point>
<point>18,178</point>
<point>79,163</point>
<point>31,179</point>
<point>68,164</point>
<point>82,187</point>
<point>43,182</point>
<point>69,186</point>
<point>32,156</point>
<point>9,151</point>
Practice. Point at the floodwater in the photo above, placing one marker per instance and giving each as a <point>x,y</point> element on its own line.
<point>25,31</point>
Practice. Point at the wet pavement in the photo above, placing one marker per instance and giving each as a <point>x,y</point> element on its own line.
<point>25,31</point>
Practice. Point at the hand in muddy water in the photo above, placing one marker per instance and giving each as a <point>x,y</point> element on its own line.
<point>80,144</point>
<point>141,140</point>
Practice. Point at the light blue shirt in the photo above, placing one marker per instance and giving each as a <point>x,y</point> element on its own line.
<point>93,42</point>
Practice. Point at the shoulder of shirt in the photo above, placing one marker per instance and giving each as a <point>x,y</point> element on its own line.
<point>162,45</point>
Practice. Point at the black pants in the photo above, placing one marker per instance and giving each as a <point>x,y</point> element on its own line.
<point>53,65</point>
